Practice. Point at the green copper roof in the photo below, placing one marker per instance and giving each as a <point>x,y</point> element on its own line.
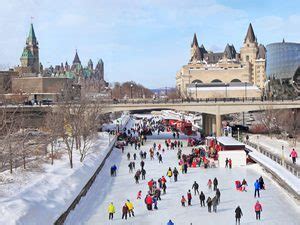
<point>70,75</point>
<point>26,53</point>
<point>86,73</point>
<point>31,36</point>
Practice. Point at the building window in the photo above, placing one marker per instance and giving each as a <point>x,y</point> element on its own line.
<point>247,57</point>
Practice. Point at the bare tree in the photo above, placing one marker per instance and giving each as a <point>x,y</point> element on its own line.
<point>269,119</point>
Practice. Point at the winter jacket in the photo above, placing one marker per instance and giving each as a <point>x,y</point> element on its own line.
<point>189,195</point>
<point>202,196</point>
<point>256,185</point>
<point>111,208</point>
<point>238,212</point>
<point>214,201</point>
<point>257,207</point>
<point>195,186</point>
<point>125,209</point>
<point>169,174</point>
<point>215,182</point>
<point>170,223</point>
<point>294,154</point>
<point>148,200</point>
<point>129,205</point>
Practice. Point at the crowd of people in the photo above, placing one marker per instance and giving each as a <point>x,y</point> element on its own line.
<point>157,188</point>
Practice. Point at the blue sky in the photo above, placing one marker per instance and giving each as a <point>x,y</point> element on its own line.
<point>142,40</point>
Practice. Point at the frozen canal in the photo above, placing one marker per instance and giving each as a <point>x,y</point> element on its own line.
<point>278,207</point>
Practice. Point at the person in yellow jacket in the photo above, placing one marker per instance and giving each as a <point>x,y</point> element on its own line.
<point>169,173</point>
<point>111,211</point>
<point>130,208</point>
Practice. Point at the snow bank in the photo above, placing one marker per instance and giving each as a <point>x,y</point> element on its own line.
<point>40,195</point>
<point>280,171</point>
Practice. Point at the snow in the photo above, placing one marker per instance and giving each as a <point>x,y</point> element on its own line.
<point>283,173</point>
<point>39,195</point>
<point>275,145</point>
<point>278,207</point>
<point>229,141</point>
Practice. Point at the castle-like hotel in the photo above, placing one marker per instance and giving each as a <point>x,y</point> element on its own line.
<point>228,68</point>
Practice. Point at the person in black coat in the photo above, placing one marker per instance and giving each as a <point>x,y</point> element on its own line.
<point>202,199</point>
<point>215,182</point>
<point>195,187</point>
<point>209,203</point>
<point>218,194</point>
<point>238,215</point>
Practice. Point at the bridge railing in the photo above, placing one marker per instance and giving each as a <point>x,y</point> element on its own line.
<point>293,168</point>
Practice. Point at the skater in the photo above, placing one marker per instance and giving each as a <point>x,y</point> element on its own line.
<point>124,211</point>
<point>256,188</point>
<point>175,172</point>
<point>189,197</point>
<point>215,184</point>
<point>164,187</point>
<point>148,202</point>
<point>218,195</point>
<point>111,211</point>
<point>261,183</point>
<point>244,184</point>
<point>170,222</point>
<point>209,203</point>
<point>183,201</point>
<point>130,167</point>
<point>142,164</point>
<point>130,208</point>
<point>258,210</point>
<point>230,163</point>
<point>202,199</point>
<point>139,195</point>
<point>170,173</point>
<point>226,163</point>
<point>238,215</point>
<point>195,187</point>
<point>143,171</point>
<point>160,159</point>
<point>154,200</point>
<point>128,156</point>
<point>215,203</point>
<point>209,184</point>
<point>294,155</point>
<point>134,156</point>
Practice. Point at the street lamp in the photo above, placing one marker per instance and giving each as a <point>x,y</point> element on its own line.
<point>245,90</point>
<point>131,86</point>
<point>282,155</point>
<point>196,85</point>
<point>238,133</point>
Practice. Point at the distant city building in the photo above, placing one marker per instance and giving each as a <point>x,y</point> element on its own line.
<point>30,64</point>
<point>39,82</point>
<point>206,68</point>
<point>283,69</point>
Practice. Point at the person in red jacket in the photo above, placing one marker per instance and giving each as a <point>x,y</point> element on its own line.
<point>150,184</point>
<point>294,155</point>
<point>189,197</point>
<point>148,201</point>
<point>258,210</point>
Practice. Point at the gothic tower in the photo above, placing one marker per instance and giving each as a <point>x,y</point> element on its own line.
<point>30,55</point>
<point>90,64</point>
<point>99,70</point>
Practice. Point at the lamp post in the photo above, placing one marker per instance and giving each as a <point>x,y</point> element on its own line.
<point>196,85</point>
<point>282,155</point>
<point>131,86</point>
<point>238,133</point>
<point>245,90</point>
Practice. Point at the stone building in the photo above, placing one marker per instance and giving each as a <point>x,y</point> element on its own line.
<point>228,68</point>
<point>30,64</point>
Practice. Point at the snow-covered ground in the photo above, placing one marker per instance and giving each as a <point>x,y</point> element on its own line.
<point>39,195</point>
<point>284,174</point>
<point>278,207</point>
<point>275,145</point>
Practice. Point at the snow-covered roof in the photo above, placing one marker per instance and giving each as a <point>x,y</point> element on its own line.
<point>224,140</point>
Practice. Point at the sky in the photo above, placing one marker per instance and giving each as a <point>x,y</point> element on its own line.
<point>146,41</point>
